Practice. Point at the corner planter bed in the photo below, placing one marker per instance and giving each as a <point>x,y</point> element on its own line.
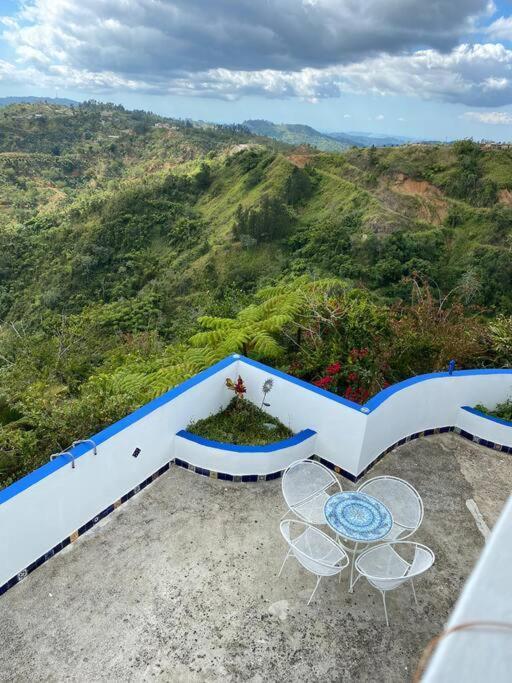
<point>268,456</point>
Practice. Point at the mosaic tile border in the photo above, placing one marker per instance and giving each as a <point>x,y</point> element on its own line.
<point>242,478</point>
<point>339,470</point>
<point>246,478</point>
<point>416,435</point>
<point>79,532</point>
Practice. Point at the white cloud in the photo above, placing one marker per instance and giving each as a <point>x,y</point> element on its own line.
<point>501,29</point>
<point>225,49</point>
<point>492,117</point>
<point>163,37</point>
<point>379,117</point>
<point>346,116</point>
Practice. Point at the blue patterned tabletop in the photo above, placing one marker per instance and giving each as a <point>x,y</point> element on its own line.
<point>358,516</point>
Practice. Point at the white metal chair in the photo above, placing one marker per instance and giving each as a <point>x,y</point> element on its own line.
<point>401,499</point>
<point>385,567</point>
<point>306,487</point>
<point>314,550</point>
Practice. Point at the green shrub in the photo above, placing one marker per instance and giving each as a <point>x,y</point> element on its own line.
<point>502,410</point>
<point>242,423</point>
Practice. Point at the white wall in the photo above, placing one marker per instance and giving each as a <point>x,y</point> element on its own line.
<point>352,439</point>
<point>484,428</point>
<point>340,429</point>
<point>428,404</point>
<point>240,463</point>
<point>36,519</point>
<point>481,655</point>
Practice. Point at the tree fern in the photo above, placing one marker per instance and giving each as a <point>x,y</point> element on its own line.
<point>256,330</point>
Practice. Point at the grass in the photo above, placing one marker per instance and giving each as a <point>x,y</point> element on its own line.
<point>242,423</point>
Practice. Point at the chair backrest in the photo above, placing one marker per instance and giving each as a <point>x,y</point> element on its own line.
<point>315,551</point>
<point>385,567</point>
<point>424,558</point>
<point>305,479</point>
<point>401,499</point>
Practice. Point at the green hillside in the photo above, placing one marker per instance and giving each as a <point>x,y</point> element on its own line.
<point>297,134</point>
<point>135,250</point>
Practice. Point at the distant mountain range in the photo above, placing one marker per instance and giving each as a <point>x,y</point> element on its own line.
<point>296,134</point>
<point>361,139</point>
<point>6,101</point>
<point>290,133</point>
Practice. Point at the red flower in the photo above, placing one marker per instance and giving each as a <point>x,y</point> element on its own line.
<point>353,377</point>
<point>385,385</point>
<point>333,369</point>
<point>322,382</point>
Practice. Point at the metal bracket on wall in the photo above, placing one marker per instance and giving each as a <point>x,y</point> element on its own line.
<point>95,449</point>
<point>56,455</point>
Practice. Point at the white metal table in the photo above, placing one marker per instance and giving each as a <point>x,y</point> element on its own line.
<point>359,519</point>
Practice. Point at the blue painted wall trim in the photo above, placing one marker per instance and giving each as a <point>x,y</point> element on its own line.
<point>112,430</point>
<point>492,418</point>
<point>269,448</point>
<point>379,398</point>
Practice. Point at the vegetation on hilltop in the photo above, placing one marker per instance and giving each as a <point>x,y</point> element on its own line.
<point>148,248</point>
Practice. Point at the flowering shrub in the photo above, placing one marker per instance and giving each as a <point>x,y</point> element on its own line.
<point>356,379</point>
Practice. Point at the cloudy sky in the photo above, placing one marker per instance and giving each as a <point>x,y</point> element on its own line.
<point>433,68</point>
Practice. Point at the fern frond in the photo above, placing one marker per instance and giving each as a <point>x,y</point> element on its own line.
<point>265,345</point>
<point>210,338</point>
<point>211,323</point>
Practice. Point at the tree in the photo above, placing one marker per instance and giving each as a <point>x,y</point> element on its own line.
<point>269,220</point>
<point>203,177</point>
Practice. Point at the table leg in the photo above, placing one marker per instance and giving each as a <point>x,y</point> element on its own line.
<point>351,589</point>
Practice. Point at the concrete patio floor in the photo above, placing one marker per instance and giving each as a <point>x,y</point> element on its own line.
<point>180,584</point>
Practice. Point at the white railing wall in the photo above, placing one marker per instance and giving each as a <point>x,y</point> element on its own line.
<point>239,462</point>
<point>430,403</point>
<point>40,516</point>
<point>482,652</point>
<point>484,427</point>
<point>353,436</point>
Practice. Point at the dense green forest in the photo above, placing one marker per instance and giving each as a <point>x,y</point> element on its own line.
<point>136,250</point>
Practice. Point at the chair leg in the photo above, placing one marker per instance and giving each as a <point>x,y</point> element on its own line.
<point>314,591</point>
<point>414,593</point>
<point>385,608</point>
<point>284,562</point>
<point>352,582</point>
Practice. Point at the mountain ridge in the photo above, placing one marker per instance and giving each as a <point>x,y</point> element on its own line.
<point>327,141</point>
